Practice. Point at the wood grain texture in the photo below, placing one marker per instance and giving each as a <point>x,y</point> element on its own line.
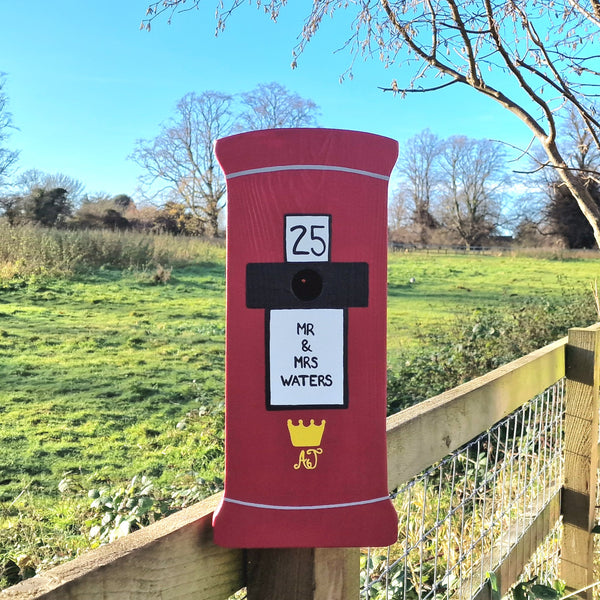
<point>303,573</point>
<point>581,458</point>
<point>173,559</point>
<point>337,573</point>
<point>275,573</point>
<point>423,434</point>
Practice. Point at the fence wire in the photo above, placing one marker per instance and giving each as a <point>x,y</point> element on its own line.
<point>459,519</point>
<point>544,564</point>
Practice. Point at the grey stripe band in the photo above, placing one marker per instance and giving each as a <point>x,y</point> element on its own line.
<point>310,507</point>
<point>307,168</point>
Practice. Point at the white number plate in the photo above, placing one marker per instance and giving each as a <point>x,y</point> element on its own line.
<point>307,238</point>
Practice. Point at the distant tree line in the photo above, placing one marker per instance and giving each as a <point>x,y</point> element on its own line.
<point>61,207</point>
<point>459,191</point>
<point>450,191</point>
<point>533,59</point>
<point>179,164</point>
<point>182,187</point>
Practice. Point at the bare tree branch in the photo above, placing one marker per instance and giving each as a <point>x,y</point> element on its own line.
<point>182,156</point>
<point>546,49</point>
<point>417,90</point>
<point>8,157</point>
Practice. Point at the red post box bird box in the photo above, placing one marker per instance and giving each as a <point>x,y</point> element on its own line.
<point>305,446</point>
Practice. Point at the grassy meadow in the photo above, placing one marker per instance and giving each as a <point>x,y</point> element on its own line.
<point>451,286</point>
<point>111,367</point>
<point>97,374</point>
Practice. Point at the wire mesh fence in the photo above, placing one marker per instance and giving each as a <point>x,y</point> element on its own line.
<point>544,564</point>
<point>460,519</point>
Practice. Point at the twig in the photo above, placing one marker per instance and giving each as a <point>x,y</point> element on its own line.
<point>22,492</point>
<point>419,90</point>
<point>596,296</point>
<point>587,587</point>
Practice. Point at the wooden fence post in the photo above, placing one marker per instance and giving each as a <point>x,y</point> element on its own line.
<point>303,574</point>
<point>581,458</point>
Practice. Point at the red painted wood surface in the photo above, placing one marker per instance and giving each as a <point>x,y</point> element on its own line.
<point>330,492</point>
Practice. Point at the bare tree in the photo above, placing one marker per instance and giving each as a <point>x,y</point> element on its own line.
<point>180,161</point>
<point>272,106</point>
<point>8,158</point>
<point>583,155</point>
<point>474,174</point>
<point>398,214</point>
<point>535,58</point>
<point>418,168</point>
<point>31,179</point>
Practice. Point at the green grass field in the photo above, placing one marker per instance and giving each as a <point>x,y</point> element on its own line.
<point>98,371</point>
<point>108,374</point>
<point>448,287</point>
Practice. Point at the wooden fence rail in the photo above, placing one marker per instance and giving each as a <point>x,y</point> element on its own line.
<point>176,558</point>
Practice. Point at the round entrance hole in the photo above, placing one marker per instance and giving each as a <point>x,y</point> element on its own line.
<point>307,285</point>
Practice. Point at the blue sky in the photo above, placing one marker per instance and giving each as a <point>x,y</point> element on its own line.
<point>84,82</point>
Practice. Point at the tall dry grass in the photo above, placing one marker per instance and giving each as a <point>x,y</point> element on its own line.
<point>27,251</point>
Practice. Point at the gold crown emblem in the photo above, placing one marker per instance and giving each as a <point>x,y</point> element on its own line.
<point>304,437</point>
